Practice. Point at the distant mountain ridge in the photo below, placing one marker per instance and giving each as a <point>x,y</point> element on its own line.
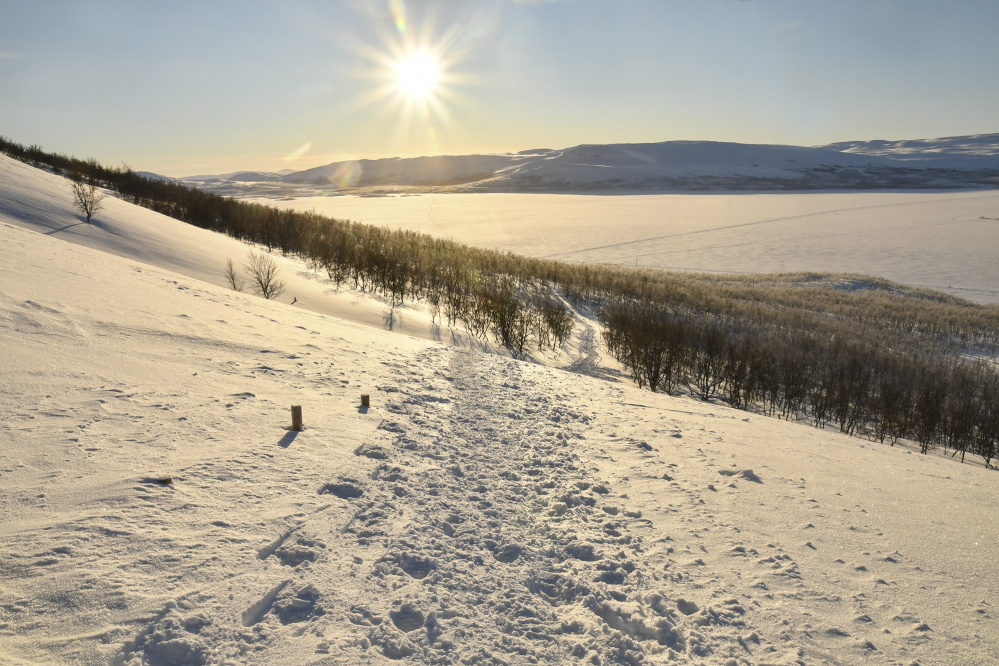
<point>969,149</point>
<point>945,163</point>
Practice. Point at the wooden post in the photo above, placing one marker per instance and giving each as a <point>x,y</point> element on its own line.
<point>296,417</point>
<point>365,400</point>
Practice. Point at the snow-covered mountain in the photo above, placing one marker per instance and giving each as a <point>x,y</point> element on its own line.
<point>237,177</point>
<point>155,509</point>
<point>954,151</point>
<point>956,162</point>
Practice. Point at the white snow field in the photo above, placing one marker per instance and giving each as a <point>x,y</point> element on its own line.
<point>945,241</point>
<point>484,510</point>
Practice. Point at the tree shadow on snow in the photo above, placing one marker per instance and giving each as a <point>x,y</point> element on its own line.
<point>393,318</point>
<point>68,226</point>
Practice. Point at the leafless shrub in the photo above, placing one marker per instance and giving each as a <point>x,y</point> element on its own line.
<point>553,322</point>
<point>987,428</point>
<point>86,197</point>
<point>862,387</point>
<point>510,320</point>
<point>232,277</point>
<point>704,370</point>
<point>263,272</point>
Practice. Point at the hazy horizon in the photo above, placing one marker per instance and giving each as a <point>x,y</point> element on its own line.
<point>188,88</point>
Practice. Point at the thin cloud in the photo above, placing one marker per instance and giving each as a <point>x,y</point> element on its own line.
<point>10,55</point>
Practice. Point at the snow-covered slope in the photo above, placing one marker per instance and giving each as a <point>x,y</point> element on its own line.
<point>481,511</point>
<point>956,162</point>
<point>40,201</point>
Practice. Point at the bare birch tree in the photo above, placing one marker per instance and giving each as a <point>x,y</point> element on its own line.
<point>232,277</point>
<point>264,275</point>
<point>87,198</point>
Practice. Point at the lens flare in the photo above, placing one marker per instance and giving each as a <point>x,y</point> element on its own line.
<point>417,74</point>
<point>399,14</point>
<point>299,152</point>
<point>347,174</point>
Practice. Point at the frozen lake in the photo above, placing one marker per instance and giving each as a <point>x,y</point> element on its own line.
<point>946,241</point>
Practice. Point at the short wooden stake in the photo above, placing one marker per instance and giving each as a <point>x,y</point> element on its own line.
<point>296,417</point>
<point>365,400</point>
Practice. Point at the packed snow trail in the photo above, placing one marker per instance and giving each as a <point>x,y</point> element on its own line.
<point>467,529</point>
<point>508,536</point>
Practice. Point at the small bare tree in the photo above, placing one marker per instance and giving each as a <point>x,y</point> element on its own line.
<point>86,197</point>
<point>232,277</point>
<point>264,275</point>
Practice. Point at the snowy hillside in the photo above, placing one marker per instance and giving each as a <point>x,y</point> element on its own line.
<point>957,162</point>
<point>37,200</point>
<point>482,511</point>
<point>441,170</point>
<point>953,151</point>
<point>631,162</point>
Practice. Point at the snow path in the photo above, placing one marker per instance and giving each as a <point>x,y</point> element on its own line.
<point>588,359</point>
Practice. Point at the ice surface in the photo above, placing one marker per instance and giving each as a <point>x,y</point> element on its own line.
<point>942,241</point>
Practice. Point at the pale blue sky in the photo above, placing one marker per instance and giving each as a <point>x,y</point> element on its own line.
<point>206,87</point>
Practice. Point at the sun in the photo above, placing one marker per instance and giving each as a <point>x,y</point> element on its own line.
<point>416,84</point>
<point>417,75</point>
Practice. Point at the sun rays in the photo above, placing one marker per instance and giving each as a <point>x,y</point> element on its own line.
<point>414,84</point>
<point>412,80</point>
<point>413,68</point>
